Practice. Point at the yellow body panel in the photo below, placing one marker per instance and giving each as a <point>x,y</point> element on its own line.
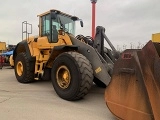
<point>156,37</point>
<point>41,49</point>
<point>2,46</point>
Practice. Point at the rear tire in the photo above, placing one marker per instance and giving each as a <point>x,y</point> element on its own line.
<point>72,76</point>
<point>23,71</point>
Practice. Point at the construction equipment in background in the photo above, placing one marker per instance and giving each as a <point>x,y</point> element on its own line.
<point>3,47</point>
<point>11,61</point>
<point>6,52</point>
<point>156,37</point>
<point>8,60</point>
<point>73,63</point>
<point>1,61</point>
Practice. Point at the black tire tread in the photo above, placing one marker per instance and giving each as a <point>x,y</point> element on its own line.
<point>86,72</point>
<point>29,76</point>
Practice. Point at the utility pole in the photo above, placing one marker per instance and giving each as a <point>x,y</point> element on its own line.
<point>93,17</point>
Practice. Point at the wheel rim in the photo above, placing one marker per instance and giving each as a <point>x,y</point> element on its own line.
<point>63,77</point>
<point>19,68</point>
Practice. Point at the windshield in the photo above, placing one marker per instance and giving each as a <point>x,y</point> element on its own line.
<point>67,23</point>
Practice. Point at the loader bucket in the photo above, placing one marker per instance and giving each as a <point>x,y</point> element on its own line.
<point>134,90</point>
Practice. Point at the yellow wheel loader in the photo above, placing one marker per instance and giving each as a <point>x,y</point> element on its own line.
<point>73,63</point>
<point>70,62</point>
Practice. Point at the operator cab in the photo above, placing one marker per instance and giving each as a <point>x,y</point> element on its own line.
<point>54,21</point>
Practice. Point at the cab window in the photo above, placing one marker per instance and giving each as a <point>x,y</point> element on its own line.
<point>45,25</point>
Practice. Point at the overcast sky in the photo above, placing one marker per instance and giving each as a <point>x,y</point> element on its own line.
<point>126,21</point>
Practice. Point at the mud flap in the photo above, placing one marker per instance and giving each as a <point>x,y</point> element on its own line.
<point>134,90</point>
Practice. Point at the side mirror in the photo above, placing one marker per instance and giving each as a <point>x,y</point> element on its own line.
<point>81,23</point>
<point>74,18</point>
<point>53,15</point>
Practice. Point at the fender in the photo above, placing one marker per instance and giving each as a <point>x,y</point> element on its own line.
<point>100,67</point>
<point>58,50</point>
<point>23,47</point>
<point>55,52</point>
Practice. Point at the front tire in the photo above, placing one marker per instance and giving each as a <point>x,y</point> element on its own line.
<point>72,76</point>
<point>23,71</point>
